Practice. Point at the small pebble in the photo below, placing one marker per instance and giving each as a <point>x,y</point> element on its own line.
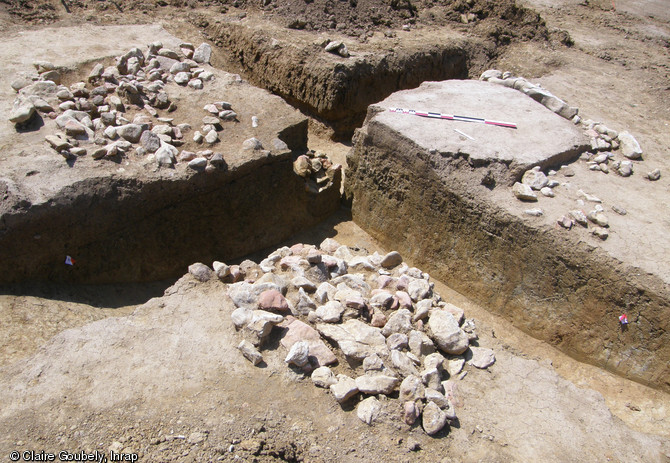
<point>654,174</point>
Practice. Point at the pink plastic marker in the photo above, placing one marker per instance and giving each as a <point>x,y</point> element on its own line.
<point>451,117</point>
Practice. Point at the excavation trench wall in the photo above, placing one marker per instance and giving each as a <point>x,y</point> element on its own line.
<point>333,89</point>
<point>132,229</point>
<point>433,211</point>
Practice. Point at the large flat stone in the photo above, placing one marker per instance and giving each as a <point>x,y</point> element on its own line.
<point>541,137</point>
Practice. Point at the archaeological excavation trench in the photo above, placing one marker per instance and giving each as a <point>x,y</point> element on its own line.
<point>443,201</point>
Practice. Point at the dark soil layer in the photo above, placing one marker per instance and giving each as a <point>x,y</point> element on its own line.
<point>336,90</point>
<point>501,20</point>
<point>137,229</point>
<point>567,294</point>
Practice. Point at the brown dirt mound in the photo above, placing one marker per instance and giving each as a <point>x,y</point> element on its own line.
<point>501,20</point>
<point>33,11</point>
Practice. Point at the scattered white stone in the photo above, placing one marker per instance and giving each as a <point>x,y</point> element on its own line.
<point>250,352</point>
<point>303,283</point>
<point>434,419</point>
<point>324,292</point>
<point>629,146</point>
<point>344,389</point>
<point>422,309</point>
<point>182,78</point>
<point>579,217</point>
<point>455,365</point>
<point>523,192</point>
<point>419,289</point>
<point>600,232</point>
<point>446,333</point>
<point>305,304</point>
<point>589,197</point>
<point>212,137</point>
<point>412,389</point>
<point>57,143</point>
<point>298,355</point>
<point>598,218</point>
<point>533,212</point>
<point>654,175</point>
<point>198,163</point>
<point>130,132</point>
<point>547,191</point>
<point>165,155</point>
<point>624,168</point>
<point>22,111</point>
<point>368,410</point>
<point>399,322</point>
<point>372,363</point>
<point>482,357</point>
<point>433,395</point>
<point>535,178</point>
<point>252,144</point>
<point>195,84</point>
<point>330,312</point>
<point>202,54</point>
<point>222,270</point>
<point>323,377</point>
<point>376,384</point>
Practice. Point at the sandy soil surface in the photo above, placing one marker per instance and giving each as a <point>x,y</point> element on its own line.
<point>149,382</point>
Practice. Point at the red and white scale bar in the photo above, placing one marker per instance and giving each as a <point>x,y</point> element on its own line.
<point>451,117</point>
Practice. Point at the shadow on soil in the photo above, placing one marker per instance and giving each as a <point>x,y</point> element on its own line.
<point>110,296</point>
<point>128,294</point>
<point>314,235</point>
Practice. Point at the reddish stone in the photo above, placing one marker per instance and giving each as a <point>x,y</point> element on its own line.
<point>404,300</point>
<point>394,304</point>
<point>402,283</point>
<point>378,319</point>
<point>299,331</point>
<point>272,301</point>
<point>410,412</point>
<point>296,248</point>
<point>383,281</point>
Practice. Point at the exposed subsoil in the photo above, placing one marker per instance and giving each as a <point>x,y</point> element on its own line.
<point>617,71</point>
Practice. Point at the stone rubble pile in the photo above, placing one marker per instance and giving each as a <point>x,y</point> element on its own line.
<point>534,180</point>
<point>94,117</point>
<point>395,332</point>
<point>606,144</point>
<point>534,91</point>
<point>603,139</point>
<point>317,170</point>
